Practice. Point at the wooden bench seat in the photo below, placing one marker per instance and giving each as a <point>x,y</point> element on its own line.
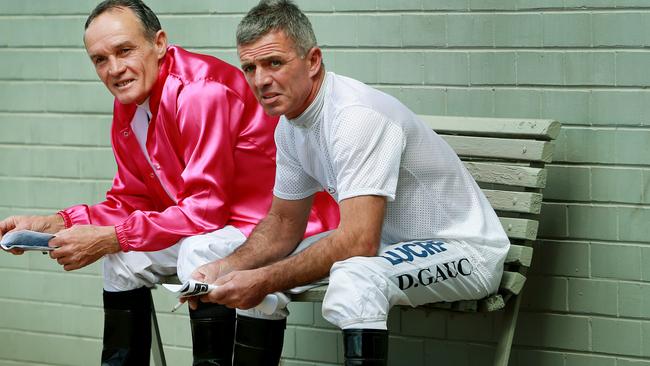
<point>507,158</point>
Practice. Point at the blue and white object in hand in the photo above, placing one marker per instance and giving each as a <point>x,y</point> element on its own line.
<point>26,240</point>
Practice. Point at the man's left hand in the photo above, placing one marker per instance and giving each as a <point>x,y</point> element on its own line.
<point>82,245</point>
<point>239,289</point>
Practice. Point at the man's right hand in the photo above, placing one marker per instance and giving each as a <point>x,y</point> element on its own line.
<point>45,224</point>
<point>208,273</point>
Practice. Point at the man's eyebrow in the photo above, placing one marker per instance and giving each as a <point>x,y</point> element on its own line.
<point>116,46</point>
<point>122,45</point>
<point>274,55</point>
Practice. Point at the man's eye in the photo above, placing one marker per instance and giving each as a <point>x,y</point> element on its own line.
<point>99,60</point>
<point>276,63</point>
<point>248,68</point>
<point>125,51</point>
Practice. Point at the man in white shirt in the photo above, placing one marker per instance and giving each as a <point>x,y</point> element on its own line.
<point>415,227</point>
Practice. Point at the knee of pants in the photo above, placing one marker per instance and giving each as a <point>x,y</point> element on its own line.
<point>127,271</point>
<point>190,255</point>
<point>357,294</point>
<point>198,250</point>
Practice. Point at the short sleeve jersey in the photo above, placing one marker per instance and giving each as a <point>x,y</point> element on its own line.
<point>354,140</point>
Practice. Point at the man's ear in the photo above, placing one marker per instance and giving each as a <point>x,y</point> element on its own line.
<point>315,57</point>
<point>160,43</point>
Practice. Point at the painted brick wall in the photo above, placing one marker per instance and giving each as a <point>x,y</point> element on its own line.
<point>582,62</point>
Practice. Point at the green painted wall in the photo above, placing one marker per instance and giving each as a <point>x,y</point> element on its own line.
<point>584,63</point>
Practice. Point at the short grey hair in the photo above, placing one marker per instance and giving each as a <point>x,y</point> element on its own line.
<point>277,15</point>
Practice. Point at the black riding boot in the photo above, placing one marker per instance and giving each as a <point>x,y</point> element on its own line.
<point>365,347</point>
<point>213,334</point>
<point>258,342</point>
<point>127,328</point>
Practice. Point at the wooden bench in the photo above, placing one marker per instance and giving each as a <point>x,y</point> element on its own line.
<point>506,157</point>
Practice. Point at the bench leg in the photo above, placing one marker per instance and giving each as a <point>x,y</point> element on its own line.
<point>156,343</point>
<point>502,354</point>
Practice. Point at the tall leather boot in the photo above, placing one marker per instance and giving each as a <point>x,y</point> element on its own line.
<point>365,347</point>
<point>127,328</point>
<point>213,334</point>
<point>258,342</point>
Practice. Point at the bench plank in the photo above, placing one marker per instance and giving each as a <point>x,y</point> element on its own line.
<point>315,294</point>
<point>491,147</point>
<point>512,282</point>
<point>528,202</point>
<point>511,175</point>
<point>519,228</point>
<point>492,303</point>
<point>530,128</point>
<point>519,255</point>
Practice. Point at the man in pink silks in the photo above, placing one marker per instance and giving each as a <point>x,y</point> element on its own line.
<point>195,171</point>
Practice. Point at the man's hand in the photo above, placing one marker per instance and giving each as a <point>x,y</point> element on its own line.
<point>239,289</point>
<point>208,273</point>
<point>45,224</point>
<point>82,245</point>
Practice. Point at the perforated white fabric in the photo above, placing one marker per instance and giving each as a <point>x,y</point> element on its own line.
<point>355,140</point>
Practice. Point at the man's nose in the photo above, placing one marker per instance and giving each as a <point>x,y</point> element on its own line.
<point>262,78</point>
<point>115,66</point>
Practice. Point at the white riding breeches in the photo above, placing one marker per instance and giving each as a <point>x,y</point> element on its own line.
<point>362,290</point>
<point>131,270</point>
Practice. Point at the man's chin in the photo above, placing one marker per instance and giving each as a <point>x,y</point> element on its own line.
<point>272,111</point>
<point>127,99</point>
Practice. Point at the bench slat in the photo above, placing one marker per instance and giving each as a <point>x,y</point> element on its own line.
<point>526,128</point>
<point>512,282</point>
<point>315,294</point>
<point>462,305</point>
<point>520,228</point>
<point>511,175</point>
<point>492,303</point>
<point>528,202</point>
<point>490,147</point>
<point>519,255</point>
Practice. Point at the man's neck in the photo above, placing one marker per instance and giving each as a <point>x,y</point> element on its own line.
<point>313,92</point>
<point>318,83</point>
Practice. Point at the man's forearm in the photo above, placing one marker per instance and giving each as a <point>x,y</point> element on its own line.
<point>272,239</point>
<point>312,264</point>
<point>359,234</point>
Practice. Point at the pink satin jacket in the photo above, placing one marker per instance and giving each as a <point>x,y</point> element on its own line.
<point>212,160</point>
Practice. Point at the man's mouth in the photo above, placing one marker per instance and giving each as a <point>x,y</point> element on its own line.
<point>124,83</point>
<point>269,97</point>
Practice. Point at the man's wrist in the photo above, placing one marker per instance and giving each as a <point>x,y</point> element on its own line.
<point>109,238</point>
<point>55,223</point>
<point>269,281</point>
<point>232,263</point>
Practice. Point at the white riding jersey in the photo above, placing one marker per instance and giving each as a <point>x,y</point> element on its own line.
<point>354,140</point>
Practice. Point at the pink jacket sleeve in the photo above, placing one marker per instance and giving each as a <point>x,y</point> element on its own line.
<point>206,136</point>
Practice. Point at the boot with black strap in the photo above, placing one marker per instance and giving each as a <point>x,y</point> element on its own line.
<point>365,347</point>
<point>258,342</point>
<point>127,328</point>
<point>213,333</point>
